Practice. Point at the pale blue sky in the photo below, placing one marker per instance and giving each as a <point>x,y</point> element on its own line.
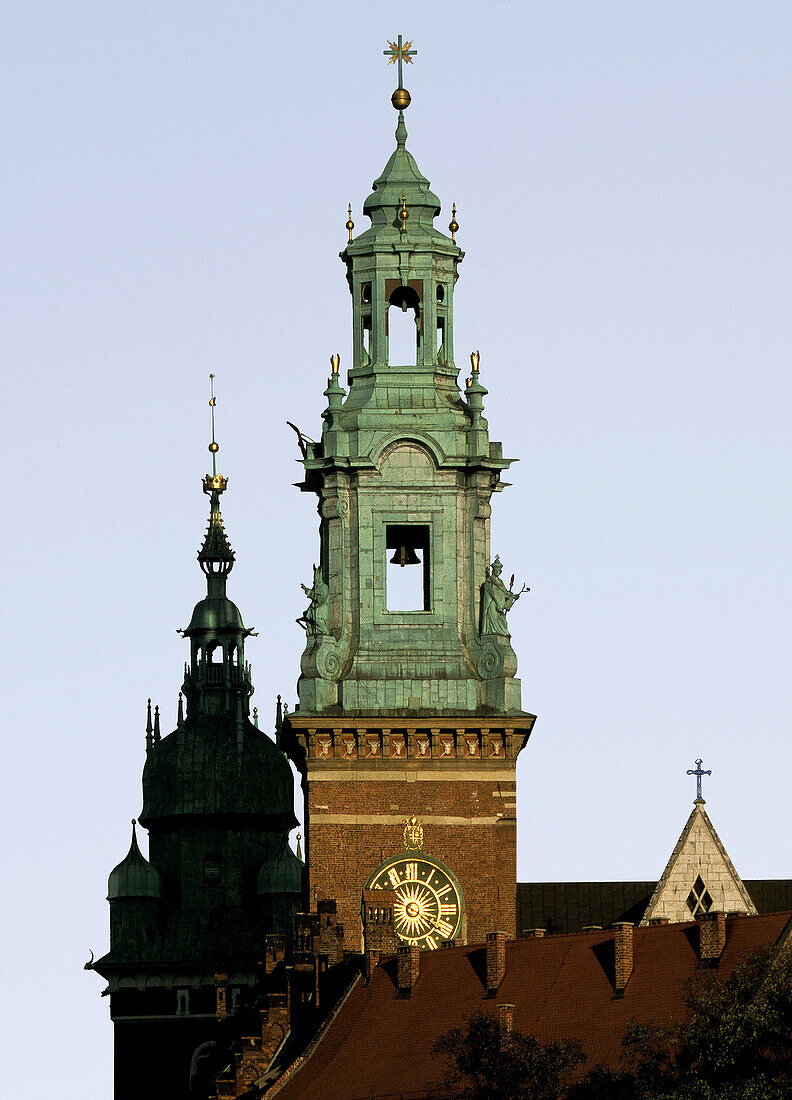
<point>175,178</point>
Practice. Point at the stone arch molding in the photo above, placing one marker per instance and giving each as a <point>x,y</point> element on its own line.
<point>418,440</point>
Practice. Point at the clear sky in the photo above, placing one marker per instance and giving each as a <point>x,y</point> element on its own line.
<point>175,178</point>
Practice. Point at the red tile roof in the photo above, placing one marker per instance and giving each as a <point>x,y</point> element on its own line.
<point>561,987</point>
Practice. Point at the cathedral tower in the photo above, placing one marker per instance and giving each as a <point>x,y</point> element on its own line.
<point>190,930</point>
<point>409,720</point>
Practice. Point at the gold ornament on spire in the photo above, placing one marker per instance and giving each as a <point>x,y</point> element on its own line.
<point>453,225</point>
<point>404,213</point>
<point>334,362</point>
<point>214,482</point>
<point>350,225</point>
<point>398,53</point>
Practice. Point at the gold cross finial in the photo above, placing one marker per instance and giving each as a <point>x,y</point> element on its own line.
<point>399,52</point>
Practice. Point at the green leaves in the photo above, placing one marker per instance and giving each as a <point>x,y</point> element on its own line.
<point>488,1062</point>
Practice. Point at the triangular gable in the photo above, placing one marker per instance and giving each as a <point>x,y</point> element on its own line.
<point>699,876</point>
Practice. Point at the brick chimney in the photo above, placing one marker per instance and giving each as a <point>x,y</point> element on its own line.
<point>623,954</point>
<point>409,964</point>
<point>379,931</point>
<point>496,960</point>
<point>712,936</point>
<point>506,1013</point>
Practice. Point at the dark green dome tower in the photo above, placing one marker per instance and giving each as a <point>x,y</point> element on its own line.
<point>221,885</point>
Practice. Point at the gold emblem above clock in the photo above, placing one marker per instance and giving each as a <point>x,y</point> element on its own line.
<point>429,906</point>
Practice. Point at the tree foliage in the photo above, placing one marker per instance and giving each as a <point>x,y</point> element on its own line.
<point>734,1044</point>
<point>488,1062</point>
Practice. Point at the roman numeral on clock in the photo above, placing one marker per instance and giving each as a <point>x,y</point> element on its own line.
<point>393,875</point>
<point>448,910</point>
<point>411,872</point>
<point>443,927</point>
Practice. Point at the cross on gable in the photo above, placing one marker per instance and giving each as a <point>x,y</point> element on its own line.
<point>698,771</point>
<point>397,52</point>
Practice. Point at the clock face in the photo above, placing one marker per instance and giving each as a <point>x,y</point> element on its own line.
<point>428,909</point>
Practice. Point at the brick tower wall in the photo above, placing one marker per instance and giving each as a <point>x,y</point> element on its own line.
<point>361,785</point>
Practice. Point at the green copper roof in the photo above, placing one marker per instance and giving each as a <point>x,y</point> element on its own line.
<point>216,548</point>
<point>215,613</point>
<point>401,182</point>
<point>217,765</point>
<point>134,877</point>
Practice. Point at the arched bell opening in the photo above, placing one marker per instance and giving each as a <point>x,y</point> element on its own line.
<point>213,653</point>
<point>403,326</point>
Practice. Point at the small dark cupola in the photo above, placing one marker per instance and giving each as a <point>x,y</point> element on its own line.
<point>281,873</point>
<point>279,889</point>
<point>134,891</point>
<point>134,877</point>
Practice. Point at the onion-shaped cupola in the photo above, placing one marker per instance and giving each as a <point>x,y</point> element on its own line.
<point>134,877</point>
<point>281,873</point>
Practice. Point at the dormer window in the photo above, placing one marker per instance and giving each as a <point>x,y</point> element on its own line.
<point>211,869</point>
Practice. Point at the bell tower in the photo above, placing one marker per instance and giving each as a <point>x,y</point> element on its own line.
<point>409,706</point>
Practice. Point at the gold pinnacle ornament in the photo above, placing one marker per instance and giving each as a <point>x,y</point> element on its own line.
<point>404,213</point>
<point>350,225</point>
<point>214,481</point>
<point>453,225</point>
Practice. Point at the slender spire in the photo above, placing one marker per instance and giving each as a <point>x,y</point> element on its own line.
<point>213,446</point>
<point>216,556</point>
<point>157,734</point>
<point>299,847</point>
<point>149,727</point>
<point>180,715</point>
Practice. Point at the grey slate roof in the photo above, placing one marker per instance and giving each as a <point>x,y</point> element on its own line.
<point>572,906</point>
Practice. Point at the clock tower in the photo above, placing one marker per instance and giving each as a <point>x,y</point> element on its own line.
<point>409,713</point>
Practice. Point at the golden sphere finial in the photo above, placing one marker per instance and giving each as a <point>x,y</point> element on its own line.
<point>453,225</point>
<point>401,99</point>
<point>214,447</point>
<point>404,212</point>
<point>350,225</point>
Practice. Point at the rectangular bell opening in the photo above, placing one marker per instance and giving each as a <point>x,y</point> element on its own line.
<point>407,568</point>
